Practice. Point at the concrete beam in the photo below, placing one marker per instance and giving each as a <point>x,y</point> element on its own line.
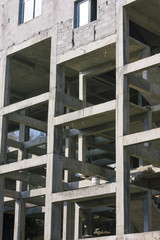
<point>25,103</point>
<point>35,142</point>
<point>87,112</point>
<point>143,21</point>
<point>145,153</point>
<point>142,64</point>
<point>14,144</point>
<point>33,193</point>
<point>141,137</point>
<point>85,193</point>
<point>24,164</point>
<point>134,236</point>
<point>85,168</point>
<point>86,49</point>
<point>11,194</point>
<point>28,121</point>
<point>27,178</point>
<point>71,102</point>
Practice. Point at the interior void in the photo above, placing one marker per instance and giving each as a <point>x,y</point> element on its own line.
<point>28,128</point>
<point>145,177</point>
<point>144,90</point>
<point>29,71</point>
<point>144,26</point>
<point>97,217</point>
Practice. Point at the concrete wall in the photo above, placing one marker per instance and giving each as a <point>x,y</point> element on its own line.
<point>13,33</point>
<point>104,26</point>
<point>60,12</point>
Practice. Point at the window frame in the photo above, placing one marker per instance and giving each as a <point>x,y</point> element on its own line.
<point>22,10</point>
<point>92,12</point>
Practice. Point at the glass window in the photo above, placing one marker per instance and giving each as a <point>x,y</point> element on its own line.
<point>38,7</point>
<point>85,12</point>
<point>29,9</point>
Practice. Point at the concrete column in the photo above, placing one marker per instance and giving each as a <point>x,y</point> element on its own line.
<point>1,206</point>
<point>81,138</point>
<point>68,207</point>
<point>148,118</point>
<point>77,218</point>
<point>53,212</point>
<point>4,98</point>
<point>20,205</point>
<point>122,124</point>
<point>147,211</point>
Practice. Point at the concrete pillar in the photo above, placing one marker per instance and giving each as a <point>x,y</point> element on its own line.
<point>122,124</point>
<point>1,206</point>
<point>20,205</point>
<point>77,222</point>
<point>53,212</point>
<point>147,209</point>
<point>4,99</point>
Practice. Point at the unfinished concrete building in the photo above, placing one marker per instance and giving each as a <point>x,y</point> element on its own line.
<point>80,119</point>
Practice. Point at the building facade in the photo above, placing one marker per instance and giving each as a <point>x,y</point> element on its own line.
<point>80,119</point>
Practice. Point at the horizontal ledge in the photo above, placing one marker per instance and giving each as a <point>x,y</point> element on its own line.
<point>33,193</point>
<point>141,137</point>
<point>88,112</point>
<point>85,193</point>
<point>133,236</point>
<point>102,238</point>
<point>11,194</point>
<point>86,49</point>
<point>71,102</point>
<point>142,64</point>
<point>43,35</point>
<point>28,121</point>
<point>145,153</point>
<point>25,103</point>
<point>24,164</point>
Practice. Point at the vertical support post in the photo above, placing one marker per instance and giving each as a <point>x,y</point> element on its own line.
<point>77,223</point>
<point>147,211</point>
<point>68,207</point>
<point>122,124</point>
<point>81,138</point>
<point>53,212</point>
<point>4,82</point>
<point>20,206</point>
<point>148,118</point>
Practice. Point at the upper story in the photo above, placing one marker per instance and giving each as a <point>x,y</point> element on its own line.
<point>78,22</point>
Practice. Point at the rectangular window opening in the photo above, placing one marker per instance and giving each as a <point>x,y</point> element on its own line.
<point>85,12</point>
<point>29,9</point>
